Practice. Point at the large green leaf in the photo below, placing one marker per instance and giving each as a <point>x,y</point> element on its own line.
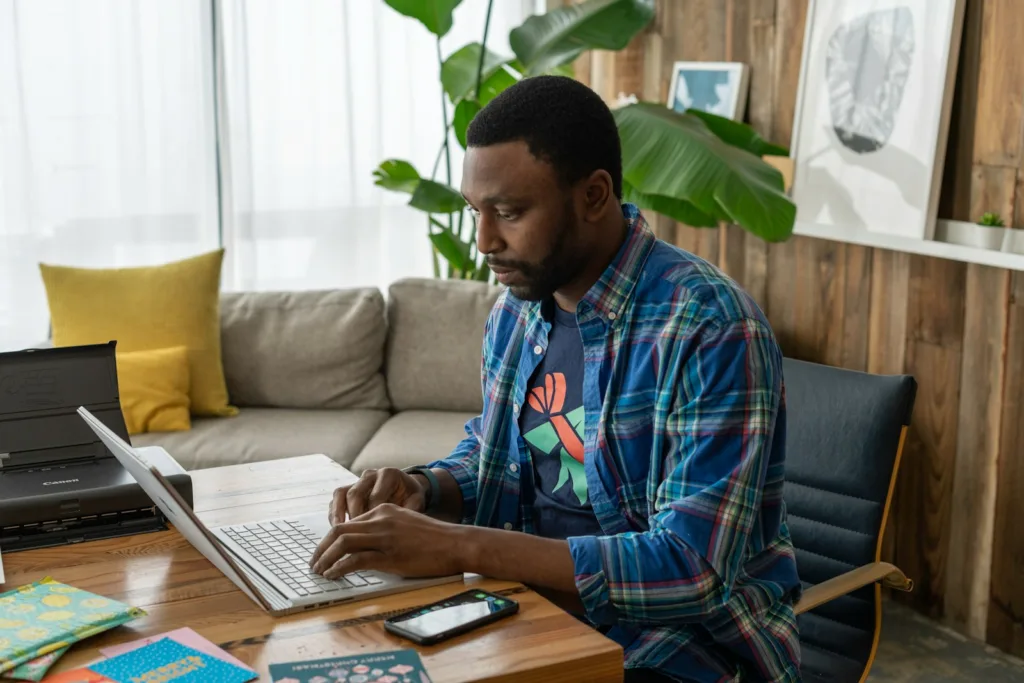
<point>458,73</point>
<point>464,113</point>
<point>738,134</point>
<point>436,15</point>
<point>673,156</point>
<point>558,37</point>
<point>434,197</point>
<point>560,70</point>
<point>454,250</point>
<point>677,209</point>
<point>397,175</point>
<point>493,86</point>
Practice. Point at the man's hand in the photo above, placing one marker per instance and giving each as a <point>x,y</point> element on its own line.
<point>377,487</point>
<point>392,539</point>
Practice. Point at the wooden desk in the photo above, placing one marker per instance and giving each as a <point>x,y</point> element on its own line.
<point>177,586</point>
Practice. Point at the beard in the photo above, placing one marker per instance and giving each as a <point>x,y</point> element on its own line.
<point>560,267</point>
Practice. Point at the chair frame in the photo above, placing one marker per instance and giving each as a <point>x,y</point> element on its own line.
<point>878,572</point>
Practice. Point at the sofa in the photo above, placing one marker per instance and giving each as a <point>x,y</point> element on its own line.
<point>368,381</point>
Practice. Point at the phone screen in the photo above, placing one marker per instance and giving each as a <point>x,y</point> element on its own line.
<point>444,616</point>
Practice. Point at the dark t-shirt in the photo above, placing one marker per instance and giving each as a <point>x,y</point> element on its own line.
<point>552,425</point>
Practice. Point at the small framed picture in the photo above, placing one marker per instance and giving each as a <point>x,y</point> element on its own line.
<point>715,87</point>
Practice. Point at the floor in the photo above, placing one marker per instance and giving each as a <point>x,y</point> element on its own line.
<point>914,649</point>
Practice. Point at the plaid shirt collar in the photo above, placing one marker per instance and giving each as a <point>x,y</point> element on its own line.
<point>608,296</point>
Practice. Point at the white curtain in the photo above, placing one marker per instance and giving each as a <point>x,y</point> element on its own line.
<point>107,148</point>
<point>318,93</point>
<point>124,142</point>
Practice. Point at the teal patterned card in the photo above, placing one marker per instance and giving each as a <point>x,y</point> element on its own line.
<point>167,660</point>
<point>46,616</point>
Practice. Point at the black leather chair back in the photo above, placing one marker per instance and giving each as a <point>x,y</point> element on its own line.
<point>843,436</point>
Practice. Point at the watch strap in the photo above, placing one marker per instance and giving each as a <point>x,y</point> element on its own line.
<point>434,495</point>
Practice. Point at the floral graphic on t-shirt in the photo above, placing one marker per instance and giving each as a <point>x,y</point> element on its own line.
<point>562,432</point>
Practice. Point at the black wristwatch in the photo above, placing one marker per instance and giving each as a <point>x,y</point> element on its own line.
<point>434,495</point>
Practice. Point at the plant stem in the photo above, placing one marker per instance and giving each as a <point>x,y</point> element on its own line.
<point>447,151</point>
<point>483,48</point>
<point>440,153</point>
<point>433,251</point>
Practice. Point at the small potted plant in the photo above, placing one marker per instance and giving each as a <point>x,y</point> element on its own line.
<point>985,233</point>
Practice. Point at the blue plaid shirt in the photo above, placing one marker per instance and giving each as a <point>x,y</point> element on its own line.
<point>684,433</point>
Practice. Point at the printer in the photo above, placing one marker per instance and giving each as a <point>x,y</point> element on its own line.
<point>58,483</point>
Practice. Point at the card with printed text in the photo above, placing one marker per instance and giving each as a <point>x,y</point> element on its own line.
<point>168,661</point>
<point>396,666</point>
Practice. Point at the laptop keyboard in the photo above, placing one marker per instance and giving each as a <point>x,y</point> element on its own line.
<point>284,548</point>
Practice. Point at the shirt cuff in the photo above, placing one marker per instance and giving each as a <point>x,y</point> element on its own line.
<point>465,475</point>
<point>591,581</point>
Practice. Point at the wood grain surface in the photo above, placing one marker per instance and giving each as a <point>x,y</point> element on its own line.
<point>163,574</point>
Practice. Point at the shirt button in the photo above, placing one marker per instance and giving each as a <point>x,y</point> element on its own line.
<point>612,316</point>
<point>514,467</point>
<point>538,349</point>
<point>515,408</point>
<point>508,526</point>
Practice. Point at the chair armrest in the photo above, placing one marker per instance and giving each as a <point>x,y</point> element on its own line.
<point>852,580</point>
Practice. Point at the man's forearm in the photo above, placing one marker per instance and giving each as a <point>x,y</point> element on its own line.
<point>543,563</point>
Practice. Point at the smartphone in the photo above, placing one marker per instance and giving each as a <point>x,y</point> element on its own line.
<point>451,617</point>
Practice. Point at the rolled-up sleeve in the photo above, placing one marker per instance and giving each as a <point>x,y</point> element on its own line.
<point>721,428</point>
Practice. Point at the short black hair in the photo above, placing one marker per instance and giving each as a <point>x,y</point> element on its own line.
<point>562,121</point>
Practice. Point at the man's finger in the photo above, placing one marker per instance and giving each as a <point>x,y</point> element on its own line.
<point>360,491</point>
<point>345,544</point>
<point>332,535</point>
<point>383,488</point>
<point>338,505</point>
<point>353,563</point>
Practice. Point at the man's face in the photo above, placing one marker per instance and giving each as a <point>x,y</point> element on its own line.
<point>527,222</point>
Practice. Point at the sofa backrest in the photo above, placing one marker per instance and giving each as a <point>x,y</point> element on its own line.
<point>435,336</point>
<point>314,349</point>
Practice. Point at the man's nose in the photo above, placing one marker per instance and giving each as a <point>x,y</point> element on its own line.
<point>487,239</point>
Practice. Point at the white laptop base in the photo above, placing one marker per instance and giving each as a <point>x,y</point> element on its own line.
<point>268,560</point>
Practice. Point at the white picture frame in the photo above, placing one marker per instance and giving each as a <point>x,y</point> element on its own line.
<point>714,87</point>
<point>869,156</point>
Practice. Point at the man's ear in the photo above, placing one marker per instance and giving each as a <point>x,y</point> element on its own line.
<point>598,193</point>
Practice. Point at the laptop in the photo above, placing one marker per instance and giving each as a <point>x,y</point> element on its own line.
<point>268,560</point>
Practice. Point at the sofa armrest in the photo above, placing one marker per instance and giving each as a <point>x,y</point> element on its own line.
<point>840,585</point>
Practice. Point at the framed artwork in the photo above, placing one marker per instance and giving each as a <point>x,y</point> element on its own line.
<point>715,87</point>
<point>872,115</point>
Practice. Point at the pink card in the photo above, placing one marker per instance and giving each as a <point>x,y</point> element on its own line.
<point>182,636</point>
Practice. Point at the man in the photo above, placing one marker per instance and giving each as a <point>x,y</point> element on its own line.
<point>631,444</point>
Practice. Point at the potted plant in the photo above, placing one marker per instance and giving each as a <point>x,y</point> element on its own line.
<point>712,171</point>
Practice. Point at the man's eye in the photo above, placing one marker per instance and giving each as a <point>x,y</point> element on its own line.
<point>507,216</point>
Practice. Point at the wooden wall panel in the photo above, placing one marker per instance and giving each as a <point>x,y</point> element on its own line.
<point>1006,599</point>
<point>958,329</point>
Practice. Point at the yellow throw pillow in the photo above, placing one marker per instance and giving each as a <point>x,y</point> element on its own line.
<point>153,386</point>
<point>157,307</point>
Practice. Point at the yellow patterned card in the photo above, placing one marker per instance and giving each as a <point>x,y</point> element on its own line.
<point>45,616</point>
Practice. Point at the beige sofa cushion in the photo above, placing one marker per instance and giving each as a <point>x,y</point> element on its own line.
<point>258,434</point>
<point>318,349</point>
<point>414,437</point>
<point>435,333</point>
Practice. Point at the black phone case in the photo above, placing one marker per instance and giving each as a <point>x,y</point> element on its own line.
<point>391,627</point>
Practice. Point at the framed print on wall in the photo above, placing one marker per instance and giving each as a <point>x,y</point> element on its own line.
<point>872,115</point>
<point>715,87</point>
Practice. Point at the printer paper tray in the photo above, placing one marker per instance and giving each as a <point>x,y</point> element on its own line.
<point>80,530</point>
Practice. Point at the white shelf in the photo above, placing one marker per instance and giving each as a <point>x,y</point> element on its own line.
<point>946,250</point>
